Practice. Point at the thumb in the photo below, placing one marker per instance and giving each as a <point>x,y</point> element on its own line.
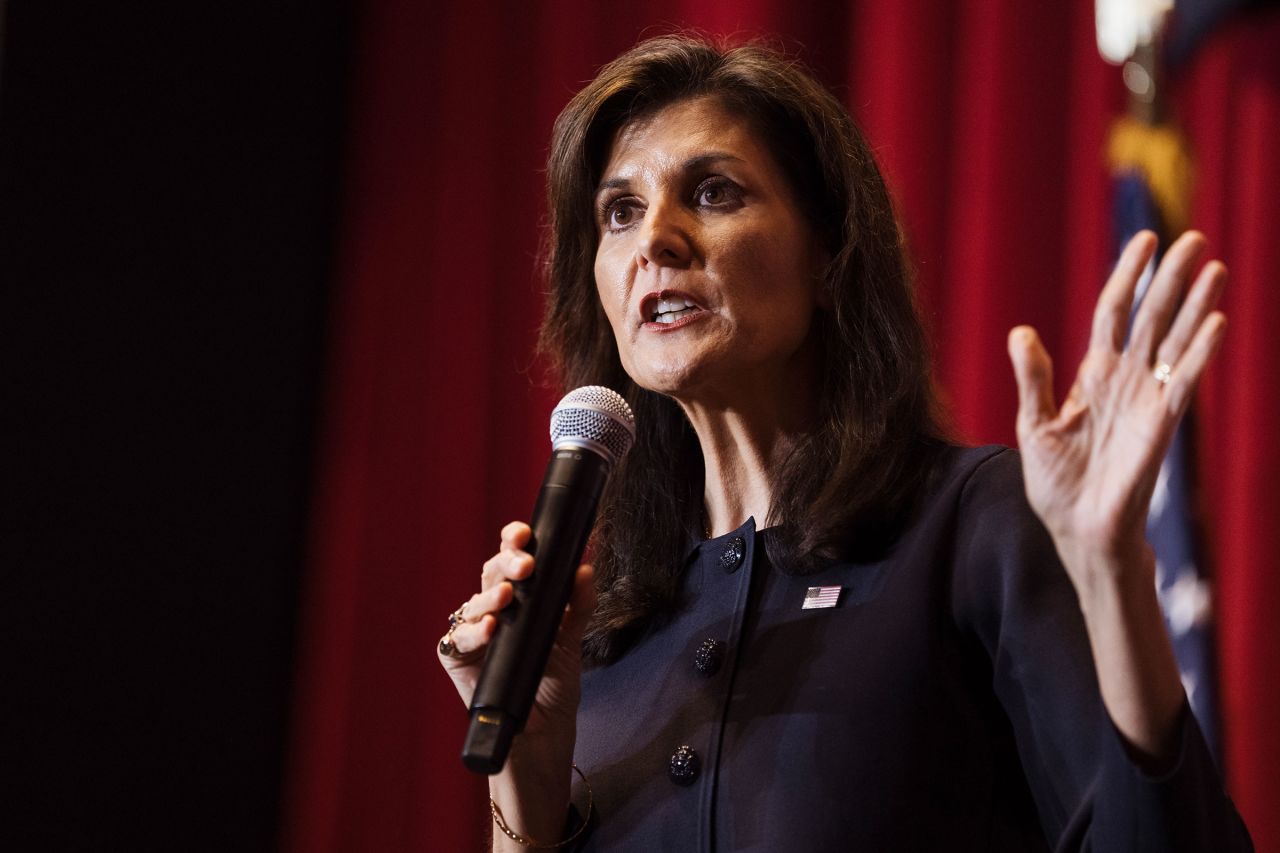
<point>1033,370</point>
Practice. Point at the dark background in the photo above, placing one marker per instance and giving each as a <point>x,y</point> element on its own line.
<point>168,193</point>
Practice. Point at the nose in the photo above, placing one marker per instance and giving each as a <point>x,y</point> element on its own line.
<point>665,238</point>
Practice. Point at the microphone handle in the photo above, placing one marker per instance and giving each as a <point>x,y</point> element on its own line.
<point>517,654</point>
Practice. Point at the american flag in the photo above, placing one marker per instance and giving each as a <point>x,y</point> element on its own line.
<point>820,596</point>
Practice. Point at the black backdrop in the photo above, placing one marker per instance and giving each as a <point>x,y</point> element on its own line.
<point>168,188</point>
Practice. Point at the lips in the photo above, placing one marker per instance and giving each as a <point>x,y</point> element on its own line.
<point>668,308</point>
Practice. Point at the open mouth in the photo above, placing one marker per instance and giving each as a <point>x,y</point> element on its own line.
<point>670,309</point>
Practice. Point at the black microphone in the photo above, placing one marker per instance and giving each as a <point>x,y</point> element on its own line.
<point>591,429</point>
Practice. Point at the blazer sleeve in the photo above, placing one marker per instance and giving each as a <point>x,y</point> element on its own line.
<point>1012,596</point>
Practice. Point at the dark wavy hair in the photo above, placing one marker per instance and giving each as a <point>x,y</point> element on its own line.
<point>849,482</point>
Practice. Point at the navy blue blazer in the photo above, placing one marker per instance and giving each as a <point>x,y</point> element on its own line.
<point>948,701</point>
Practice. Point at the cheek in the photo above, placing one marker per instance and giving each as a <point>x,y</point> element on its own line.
<point>776,292</point>
<point>604,285</point>
<point>612,297</point>
<point>773,266</point>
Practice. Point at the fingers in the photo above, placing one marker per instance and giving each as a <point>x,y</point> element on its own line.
<point>490,600</point>
<point>515,535</point>
<point>478,619</point>
<point>1186,375</point>
<point>1033,370</point>
<point>510,563</point>
<point>1181,333</point>
<point>471,637</point>
<point>473,624</point>
<point>1194,338</point>
<point>1202,299</point>
<point>1164,296</point>
<point>466,639</point>
<point>1111,316</point>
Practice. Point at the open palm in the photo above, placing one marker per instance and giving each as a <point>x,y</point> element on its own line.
<point>1091,466</point>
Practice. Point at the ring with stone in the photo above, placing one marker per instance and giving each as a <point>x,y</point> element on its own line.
<point>1163,372</point>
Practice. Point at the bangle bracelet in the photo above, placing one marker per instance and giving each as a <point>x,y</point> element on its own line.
<point>529,842</point>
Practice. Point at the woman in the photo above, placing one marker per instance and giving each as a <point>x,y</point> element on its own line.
<point>990,675</point>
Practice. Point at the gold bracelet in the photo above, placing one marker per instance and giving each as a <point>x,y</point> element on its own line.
<point>529,842</point>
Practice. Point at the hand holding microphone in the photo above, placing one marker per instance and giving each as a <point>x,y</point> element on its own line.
<point>516,617</point>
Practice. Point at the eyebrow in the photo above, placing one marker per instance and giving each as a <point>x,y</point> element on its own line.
<point>693,164</point>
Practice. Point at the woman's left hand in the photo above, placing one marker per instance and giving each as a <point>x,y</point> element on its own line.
<point>1091,466</point>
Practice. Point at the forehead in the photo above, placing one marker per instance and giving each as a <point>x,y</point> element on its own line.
<point>680,132</point>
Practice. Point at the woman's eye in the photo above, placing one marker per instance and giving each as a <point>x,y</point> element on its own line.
<point>716,192</point>
<point>619,213</point>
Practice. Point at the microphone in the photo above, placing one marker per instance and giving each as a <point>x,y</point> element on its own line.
<point>591,429</point>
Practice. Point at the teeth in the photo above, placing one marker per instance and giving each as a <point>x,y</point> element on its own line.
<point>670,310</point>
<point>672,316</point>
<point>665,305</point>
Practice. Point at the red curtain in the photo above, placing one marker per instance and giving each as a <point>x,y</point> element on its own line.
<point>989,117</point>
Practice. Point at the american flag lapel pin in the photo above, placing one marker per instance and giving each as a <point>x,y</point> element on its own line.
<point>820,596</point>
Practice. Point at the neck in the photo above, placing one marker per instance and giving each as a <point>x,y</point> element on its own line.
<point>741,462</point>
<point>744,444</point>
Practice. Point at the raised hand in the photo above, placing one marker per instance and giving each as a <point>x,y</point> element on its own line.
<point>1091,466</point>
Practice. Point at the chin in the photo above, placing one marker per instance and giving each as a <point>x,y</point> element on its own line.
<point>661,379</point>
<point>679,384</point>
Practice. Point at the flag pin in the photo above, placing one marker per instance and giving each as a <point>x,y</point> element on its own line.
<point>820,596</point>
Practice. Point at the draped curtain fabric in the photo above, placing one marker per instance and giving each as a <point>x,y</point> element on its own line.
<point>989,117</point>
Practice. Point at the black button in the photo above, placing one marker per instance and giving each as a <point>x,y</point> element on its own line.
<point>734,551</point>
<point>708,657</point>
<point>685,765</point>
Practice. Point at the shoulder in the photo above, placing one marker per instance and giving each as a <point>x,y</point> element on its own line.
<point>992,505</point>
<point>979,474</point>
<point>974,527</point>
<point>1003,561</point>
<point>977,489</point>
<point>982,489</point>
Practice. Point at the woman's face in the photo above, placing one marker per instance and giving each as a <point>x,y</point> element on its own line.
<point>706,267</point>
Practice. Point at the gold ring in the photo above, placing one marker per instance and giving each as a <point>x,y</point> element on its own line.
<point>1163,372</point>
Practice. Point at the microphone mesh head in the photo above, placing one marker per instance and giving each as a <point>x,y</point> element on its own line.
<point>595,418</point>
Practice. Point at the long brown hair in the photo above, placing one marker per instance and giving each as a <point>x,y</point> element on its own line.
<point>848,484</point>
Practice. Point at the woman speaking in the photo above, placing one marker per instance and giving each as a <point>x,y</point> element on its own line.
<point>813,622</point>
